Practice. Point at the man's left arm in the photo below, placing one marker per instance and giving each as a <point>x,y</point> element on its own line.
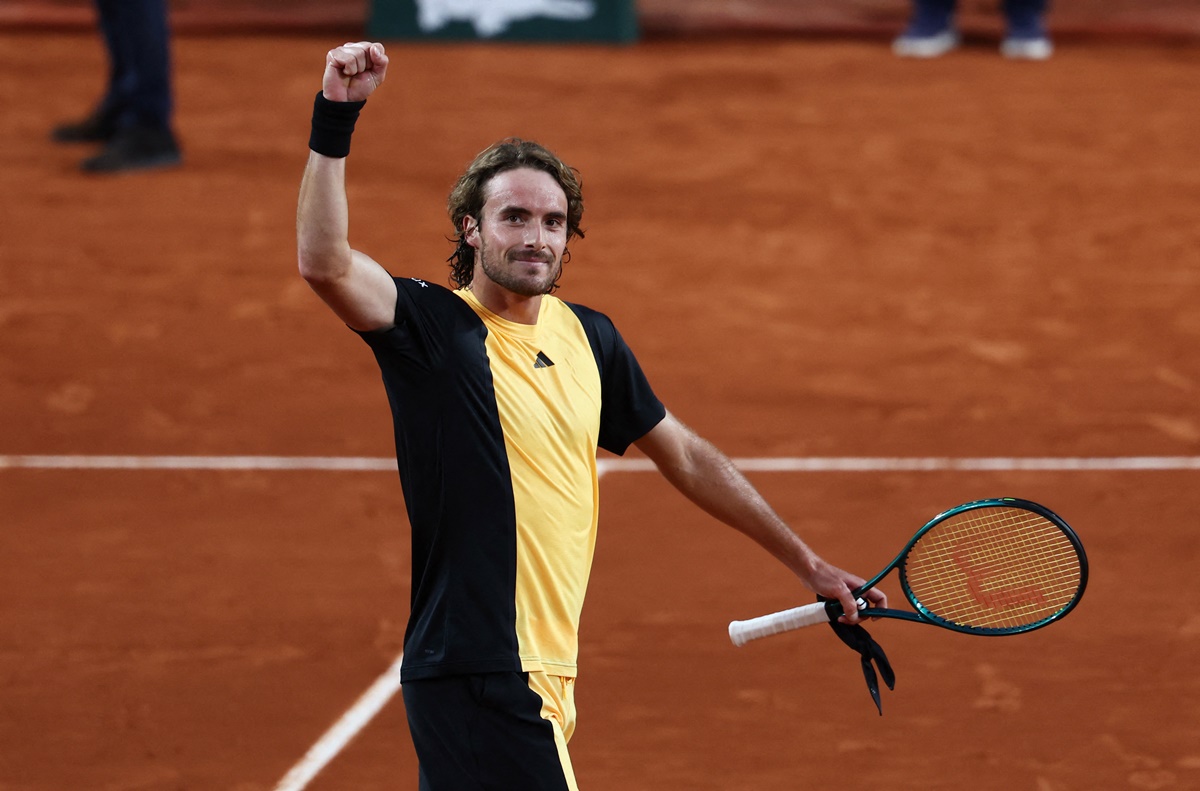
<point>708,478</point>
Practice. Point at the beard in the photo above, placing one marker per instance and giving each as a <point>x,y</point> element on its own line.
<point>505,270</point>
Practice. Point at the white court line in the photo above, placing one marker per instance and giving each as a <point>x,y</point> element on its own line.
<point>931,464</point>
<point>606,465</point>
<point>344,730</point>
<point>333,463</point>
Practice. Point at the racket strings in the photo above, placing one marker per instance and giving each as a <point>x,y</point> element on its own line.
<point>994,568</point>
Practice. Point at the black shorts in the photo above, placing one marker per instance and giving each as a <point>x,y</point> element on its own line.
<point>483,731</point>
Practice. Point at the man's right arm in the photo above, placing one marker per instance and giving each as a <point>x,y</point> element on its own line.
<point>359,290</point>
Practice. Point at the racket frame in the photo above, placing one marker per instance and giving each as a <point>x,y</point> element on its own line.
<point>921,614</point>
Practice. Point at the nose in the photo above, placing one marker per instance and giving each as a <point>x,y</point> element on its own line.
<point>534,235</point>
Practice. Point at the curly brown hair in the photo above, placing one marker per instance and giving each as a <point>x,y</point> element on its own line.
<point>469,194</point>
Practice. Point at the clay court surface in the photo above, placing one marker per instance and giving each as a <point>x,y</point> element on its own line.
<point>817,251</point>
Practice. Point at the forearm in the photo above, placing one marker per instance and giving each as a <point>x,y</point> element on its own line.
<point>708,478</point>
<point>323,220</point>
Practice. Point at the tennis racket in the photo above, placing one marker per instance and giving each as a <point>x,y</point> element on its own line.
<point>989,567</point>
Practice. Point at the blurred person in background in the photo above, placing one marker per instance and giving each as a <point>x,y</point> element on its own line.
<point>133,118</point>
<point>931,31</point>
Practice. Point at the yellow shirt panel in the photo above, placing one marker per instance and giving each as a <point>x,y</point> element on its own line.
<point>548,395</point>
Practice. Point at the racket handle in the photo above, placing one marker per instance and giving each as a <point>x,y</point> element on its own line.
<point>742,632</point>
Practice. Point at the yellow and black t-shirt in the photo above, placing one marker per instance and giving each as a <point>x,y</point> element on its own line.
<point>497,426</point>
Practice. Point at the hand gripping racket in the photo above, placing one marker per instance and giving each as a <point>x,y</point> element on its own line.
<point>990,567</point>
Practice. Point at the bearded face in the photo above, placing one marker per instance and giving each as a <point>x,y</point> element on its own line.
<point>522,232</point>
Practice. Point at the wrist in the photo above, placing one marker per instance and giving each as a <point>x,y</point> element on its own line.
<point>801,559</point>
<point>332,126</point>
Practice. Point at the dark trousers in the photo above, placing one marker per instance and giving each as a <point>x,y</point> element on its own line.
<point>932,16</point>
<point>139,51</point>
<point>482,732</point>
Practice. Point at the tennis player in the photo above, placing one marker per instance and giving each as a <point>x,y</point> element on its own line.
<point>501,394</point>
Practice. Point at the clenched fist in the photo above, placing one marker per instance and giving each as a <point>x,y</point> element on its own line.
<point>353,71</point>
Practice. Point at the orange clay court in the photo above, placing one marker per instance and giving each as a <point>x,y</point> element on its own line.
<point>817,251</point>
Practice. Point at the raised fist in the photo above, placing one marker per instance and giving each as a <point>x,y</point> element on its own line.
<point>353,71</point>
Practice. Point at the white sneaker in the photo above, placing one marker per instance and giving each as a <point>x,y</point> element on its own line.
<point>1027,48</point>
<point>925,46</point>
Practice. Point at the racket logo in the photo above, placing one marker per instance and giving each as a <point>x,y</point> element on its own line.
<point>978,574</point>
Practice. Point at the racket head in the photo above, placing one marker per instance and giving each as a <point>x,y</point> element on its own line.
<point>994,567</point>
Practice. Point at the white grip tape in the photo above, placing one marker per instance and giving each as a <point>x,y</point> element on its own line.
<point>742,632</point>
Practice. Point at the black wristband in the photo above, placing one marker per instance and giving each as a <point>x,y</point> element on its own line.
<point>332,125</point>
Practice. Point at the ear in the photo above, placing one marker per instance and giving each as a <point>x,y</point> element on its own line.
<point>470,231</point>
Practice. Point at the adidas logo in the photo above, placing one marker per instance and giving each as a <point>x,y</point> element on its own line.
<point>542,361</point>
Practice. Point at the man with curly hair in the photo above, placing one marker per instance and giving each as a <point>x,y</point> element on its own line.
<point>501,395</point>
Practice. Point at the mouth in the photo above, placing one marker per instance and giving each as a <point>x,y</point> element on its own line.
<point>531,260</point>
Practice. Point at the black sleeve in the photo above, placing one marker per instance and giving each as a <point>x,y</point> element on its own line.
<point>420,307</point>
<point>628,407</point>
